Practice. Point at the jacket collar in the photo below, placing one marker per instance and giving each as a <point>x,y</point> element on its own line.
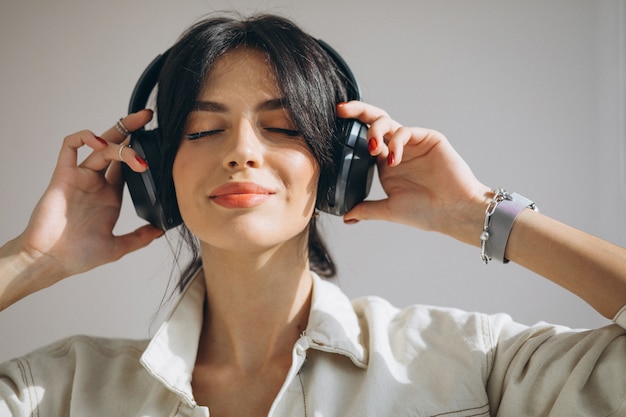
<point>333,324</point>
<point>171,354</point>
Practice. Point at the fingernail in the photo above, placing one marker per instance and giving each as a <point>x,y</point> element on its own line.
<point>341,104</point>
<point>372,144</point>
<point>141,161</point>
<point>102,141</point>
<point>391,158</point>
<point>351,221</point>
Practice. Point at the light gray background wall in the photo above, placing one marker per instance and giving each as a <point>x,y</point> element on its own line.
<point>531,93</point>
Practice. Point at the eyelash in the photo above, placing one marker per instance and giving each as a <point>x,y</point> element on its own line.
<point>198,135</point>
<point>288,132</point>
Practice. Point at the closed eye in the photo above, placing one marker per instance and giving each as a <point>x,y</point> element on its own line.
<point>287,132</point>
<point>198,135</point>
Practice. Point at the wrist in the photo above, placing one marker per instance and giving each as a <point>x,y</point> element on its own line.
<point>500,215</point>
<point>23,272</point>
<point>467,221</point>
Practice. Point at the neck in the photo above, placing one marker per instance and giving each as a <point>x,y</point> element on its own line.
<point>257,306</point>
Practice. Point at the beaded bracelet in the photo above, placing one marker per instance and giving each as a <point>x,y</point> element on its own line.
<point>500,215</point>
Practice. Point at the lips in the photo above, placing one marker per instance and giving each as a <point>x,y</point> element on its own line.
<point>241,195</point>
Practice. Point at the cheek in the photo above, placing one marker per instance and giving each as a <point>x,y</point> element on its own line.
<point>303,173</point>
<point>181,177</point>
<point>176,173</point>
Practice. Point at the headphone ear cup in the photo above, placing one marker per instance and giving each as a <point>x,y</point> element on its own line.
<point>361,171</point>
<point>144,186</point>
<point>355,168</point>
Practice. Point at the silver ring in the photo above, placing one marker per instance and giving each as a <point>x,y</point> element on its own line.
<point>119,151</point>
<point>121,128</point>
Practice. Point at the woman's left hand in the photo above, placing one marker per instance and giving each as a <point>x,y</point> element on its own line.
<point>428,185</point>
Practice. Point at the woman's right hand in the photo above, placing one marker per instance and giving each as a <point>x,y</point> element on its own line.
<point>71,229</point>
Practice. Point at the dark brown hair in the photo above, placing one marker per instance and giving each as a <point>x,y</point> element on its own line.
<point>307,77</point>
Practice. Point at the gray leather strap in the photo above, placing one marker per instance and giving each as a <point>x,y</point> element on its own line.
<point>501,223</point>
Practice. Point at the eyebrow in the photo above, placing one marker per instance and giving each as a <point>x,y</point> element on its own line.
<point>212,106</point>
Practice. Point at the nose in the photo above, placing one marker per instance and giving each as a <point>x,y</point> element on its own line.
<point>246,149</point>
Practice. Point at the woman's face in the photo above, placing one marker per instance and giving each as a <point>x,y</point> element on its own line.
<point>244,178</point>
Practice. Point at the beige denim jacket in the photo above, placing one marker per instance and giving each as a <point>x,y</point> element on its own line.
<point>356,358</point>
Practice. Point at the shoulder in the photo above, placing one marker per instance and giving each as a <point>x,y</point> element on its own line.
<point>451,345</point>
<point>81,349</point>
<point>69,367</point>
<point>83,356</point>
<point>419,318</point>
<point>77,356</point>
<point>425,328</point>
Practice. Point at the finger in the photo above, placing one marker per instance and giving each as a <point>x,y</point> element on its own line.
<point>135,240</point>
<point>130,157</point>
<point>368,210</point>
<point>69,150</point>
<point>381,125</point>
<point>420,140</point>
<point>132,122</point>
<point>377,146</point>
<point>380,132</point>
<point>113,174</point>
<point>359,110</point>
<point>396,145</point>
<point>125,155</point>
<point>100,161</point>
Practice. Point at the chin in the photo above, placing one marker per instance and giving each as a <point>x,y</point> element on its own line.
<point>251,233</point>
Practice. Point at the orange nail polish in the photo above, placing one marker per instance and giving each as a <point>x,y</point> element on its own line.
<point>372,144</point>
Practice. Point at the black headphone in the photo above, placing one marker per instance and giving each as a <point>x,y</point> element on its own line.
<point>350,185</point>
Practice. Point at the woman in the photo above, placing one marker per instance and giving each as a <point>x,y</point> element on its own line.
<point>247,124</point>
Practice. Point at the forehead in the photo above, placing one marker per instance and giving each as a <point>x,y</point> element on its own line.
<point>242,69</point>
